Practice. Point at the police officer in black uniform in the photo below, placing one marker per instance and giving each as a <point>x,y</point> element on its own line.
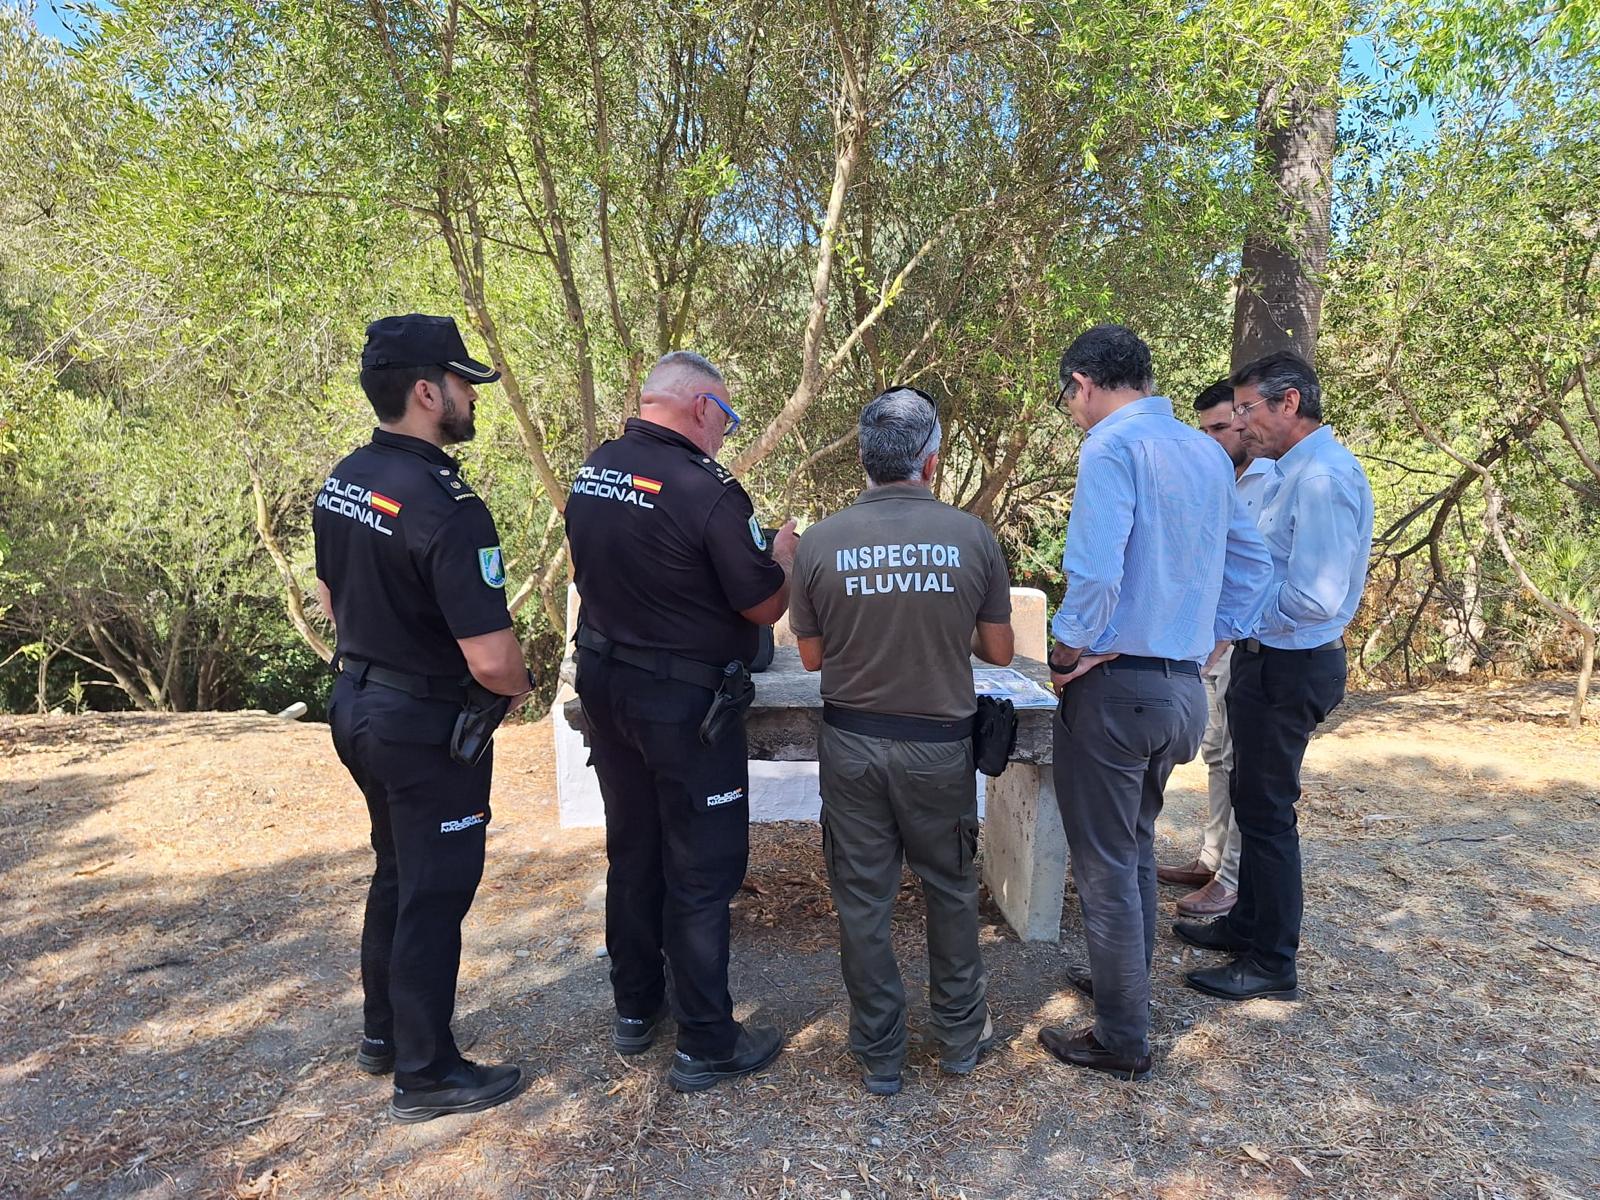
<point>675,575</point>
<point>410,569</point>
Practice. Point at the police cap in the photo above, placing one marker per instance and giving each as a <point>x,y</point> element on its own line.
<point>415,340</point>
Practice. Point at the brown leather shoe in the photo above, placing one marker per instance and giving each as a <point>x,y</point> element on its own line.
<point>1214,900</point>
<point>1192,874</point>
<point>1082,1050</point>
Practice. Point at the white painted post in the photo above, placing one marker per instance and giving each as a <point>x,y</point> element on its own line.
<point>1024,845</point>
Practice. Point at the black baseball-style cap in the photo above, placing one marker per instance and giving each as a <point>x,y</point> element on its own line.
<point>415,340</point>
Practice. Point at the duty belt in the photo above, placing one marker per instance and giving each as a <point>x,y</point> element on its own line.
<point>1254,646</point>
<point>896,728</point>
<point>663,664</point>
<point>423,687</point>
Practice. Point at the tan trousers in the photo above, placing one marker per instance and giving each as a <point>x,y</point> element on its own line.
<point>1220,850</point>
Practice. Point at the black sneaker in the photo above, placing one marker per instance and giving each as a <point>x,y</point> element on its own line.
<point>754,1050</point>
<point>376,1056</point>
<point>964,1066</point>
<point>885,1084</point>
<point>468,1088</point>
<point>635,1035</point>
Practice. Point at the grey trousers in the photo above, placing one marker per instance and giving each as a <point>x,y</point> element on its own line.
<point>1118,734</point>
<point>881,800</point>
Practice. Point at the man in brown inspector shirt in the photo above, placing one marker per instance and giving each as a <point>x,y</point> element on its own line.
<point>889,599</point>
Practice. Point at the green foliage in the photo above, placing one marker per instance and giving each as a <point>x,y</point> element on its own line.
<point>1464,310</point>
<point>234,189</point>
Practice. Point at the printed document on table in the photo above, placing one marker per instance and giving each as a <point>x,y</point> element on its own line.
<point>1003,683</point>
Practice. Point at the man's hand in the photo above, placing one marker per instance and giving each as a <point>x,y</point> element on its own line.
<point>1085,664</point>
<point>1217,652</point>
<point>784,543</point>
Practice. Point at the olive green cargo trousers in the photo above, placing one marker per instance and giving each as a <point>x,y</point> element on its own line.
<point>884,800</point>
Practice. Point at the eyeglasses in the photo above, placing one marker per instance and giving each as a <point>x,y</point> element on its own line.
<point>1064,396</point>
<point>1243,411</point>
<point>733,417</point>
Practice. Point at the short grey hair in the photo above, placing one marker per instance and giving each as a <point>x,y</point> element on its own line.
<point>1273,376</point>
<point>684,362</point>
<point>899,430</point>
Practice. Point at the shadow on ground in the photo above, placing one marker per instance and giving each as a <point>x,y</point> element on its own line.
<point>180,995</point>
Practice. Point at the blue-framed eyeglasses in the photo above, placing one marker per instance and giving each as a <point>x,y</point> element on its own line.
<point>733,417</point>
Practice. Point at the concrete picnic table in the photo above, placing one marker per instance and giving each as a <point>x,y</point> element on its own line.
<point>1024,846</point>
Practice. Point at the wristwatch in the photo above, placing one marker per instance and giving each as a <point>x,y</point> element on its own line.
<point>1058,667</point>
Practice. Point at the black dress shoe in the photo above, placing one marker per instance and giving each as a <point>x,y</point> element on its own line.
<point>1242,980</point>
<point>376,1056</point>
<point>754,1050</point>
<point>635,1035</point>
<point>1079,979</point>
<point>468,1088</point>
<point>1211,935</point>
<point>1082,1050</point>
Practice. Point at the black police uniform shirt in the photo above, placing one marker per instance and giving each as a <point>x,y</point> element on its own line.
<point>412,559</point>
<point>666,548</point>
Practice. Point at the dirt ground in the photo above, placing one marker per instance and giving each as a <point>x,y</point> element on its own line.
<point>179,992</point>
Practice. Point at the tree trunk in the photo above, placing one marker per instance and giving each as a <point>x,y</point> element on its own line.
<point>1279,301</point>
<point>1585,674</point>
<point>294,598</point>
<point>115,662</point>
<point>42,695</point>
<point>1463,624</point>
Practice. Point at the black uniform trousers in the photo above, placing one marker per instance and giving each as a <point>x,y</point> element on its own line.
<point>677,840</point>
<point>429,818</point>
<point>1276,699</point>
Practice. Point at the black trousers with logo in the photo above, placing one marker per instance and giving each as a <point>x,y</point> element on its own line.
<point>677,840</point>
<point>429,816</point>
<point>1276,700</point>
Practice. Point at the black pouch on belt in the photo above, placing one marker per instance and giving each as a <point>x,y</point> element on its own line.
<point>994,735</point>
<point>480,717</point>
<point>733,696</point>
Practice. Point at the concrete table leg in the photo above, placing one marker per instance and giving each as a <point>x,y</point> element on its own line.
<point>1025,851</point>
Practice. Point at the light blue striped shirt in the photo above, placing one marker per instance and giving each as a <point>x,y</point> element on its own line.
<point>1317,519</point>
<point>1162,557</point>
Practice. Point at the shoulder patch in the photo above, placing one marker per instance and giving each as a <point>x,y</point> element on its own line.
<point>491,565</point>
<point>714,469</point>
<point>451,483</point>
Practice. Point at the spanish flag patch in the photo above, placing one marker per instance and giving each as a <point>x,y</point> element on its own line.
<point>653,486</point>
<point>383,504</point>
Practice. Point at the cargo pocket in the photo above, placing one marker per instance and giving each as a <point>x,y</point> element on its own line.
<point>966,844</point>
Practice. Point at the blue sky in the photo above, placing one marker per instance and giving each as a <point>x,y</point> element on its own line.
<point>47,18</point>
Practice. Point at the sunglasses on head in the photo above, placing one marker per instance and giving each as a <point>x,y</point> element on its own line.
<point>916,391</point>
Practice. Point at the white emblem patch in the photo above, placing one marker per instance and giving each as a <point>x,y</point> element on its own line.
<point>756,536</point>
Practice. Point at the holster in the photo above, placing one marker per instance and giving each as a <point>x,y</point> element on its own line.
<point>481,714</point>
<point>994,735</point>
<point>733,696</point>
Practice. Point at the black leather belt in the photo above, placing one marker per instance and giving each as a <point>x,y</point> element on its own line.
<point>1254,646</point>
<point>1139,662</point>
<point>895,728</point>
<point>663,664</point>
<point>423,687</point>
